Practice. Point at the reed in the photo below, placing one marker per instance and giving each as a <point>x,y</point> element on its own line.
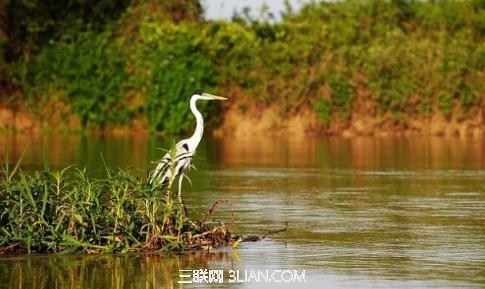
<point>67,211</point>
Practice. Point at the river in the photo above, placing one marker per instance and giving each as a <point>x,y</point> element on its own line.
<point>347,213</point>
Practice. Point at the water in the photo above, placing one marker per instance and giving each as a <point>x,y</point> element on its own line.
<point>364,213</point>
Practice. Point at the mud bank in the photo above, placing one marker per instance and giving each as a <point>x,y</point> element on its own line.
<point>241,120</point>
<point>247,121</point>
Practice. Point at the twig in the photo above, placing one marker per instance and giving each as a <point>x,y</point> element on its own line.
<point>211,209</point>
<point>201,235</point>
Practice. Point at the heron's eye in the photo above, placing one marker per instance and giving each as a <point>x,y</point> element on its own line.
<point>199,92</point>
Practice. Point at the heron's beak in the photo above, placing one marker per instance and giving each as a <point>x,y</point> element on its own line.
<point>215,97</point>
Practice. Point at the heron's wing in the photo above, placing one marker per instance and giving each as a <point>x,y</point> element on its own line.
<point>183,158</point>
<point>172,164</point>
<point>159,171</point>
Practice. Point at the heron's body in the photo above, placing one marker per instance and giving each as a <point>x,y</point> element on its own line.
<point>175,164</point>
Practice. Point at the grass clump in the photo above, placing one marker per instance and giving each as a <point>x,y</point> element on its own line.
<point>67,211</point>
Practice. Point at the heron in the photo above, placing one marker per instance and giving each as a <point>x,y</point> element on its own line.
<point>176,162</point>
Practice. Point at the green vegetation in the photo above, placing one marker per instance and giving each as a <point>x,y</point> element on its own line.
<point>414,58</point>
<point>89,73</point>
<point>66,211</point>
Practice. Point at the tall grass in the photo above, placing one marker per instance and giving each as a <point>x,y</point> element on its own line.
<point>66,211</point>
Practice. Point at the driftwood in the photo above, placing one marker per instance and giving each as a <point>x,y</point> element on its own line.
<point>271,232</point>
<point>209,236</point>
<point>10,248</point>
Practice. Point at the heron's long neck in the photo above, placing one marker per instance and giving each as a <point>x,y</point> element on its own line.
<point>199,129</point>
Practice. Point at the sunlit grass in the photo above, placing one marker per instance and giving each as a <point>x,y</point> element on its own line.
<point>67,211</point>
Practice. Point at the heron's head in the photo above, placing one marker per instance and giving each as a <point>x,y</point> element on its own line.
<point>199,94</point>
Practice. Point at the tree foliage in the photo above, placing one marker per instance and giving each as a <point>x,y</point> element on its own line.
<point>413,57</point>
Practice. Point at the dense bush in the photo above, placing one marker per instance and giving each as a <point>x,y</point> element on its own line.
<point>413,57</point>
<point>178,66</point>
<point>89,70</point>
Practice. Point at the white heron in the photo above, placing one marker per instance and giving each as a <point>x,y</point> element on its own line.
<point>175,163</point>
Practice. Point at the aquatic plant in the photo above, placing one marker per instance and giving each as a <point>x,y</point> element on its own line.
<point>67,211</point>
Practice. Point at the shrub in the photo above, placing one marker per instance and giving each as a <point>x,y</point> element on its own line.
<point>89,71</point>
<point>179,66</point>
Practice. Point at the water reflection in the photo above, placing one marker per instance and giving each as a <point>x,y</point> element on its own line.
<point>105,271</point>
<point>359,153</point>
<point>364,212</point>
<point>82,151</point>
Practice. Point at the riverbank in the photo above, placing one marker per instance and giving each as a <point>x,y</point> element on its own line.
<point>333,68</point>
<point>240,120</point>
<point>256,120</point>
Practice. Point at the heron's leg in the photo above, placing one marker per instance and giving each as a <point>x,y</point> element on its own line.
<point>181,177</point>
<point>181,201</point>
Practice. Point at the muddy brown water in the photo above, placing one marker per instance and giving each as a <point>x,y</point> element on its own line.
<point>358,213</point>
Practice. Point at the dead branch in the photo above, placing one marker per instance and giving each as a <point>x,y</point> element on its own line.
<point>211,209</point>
